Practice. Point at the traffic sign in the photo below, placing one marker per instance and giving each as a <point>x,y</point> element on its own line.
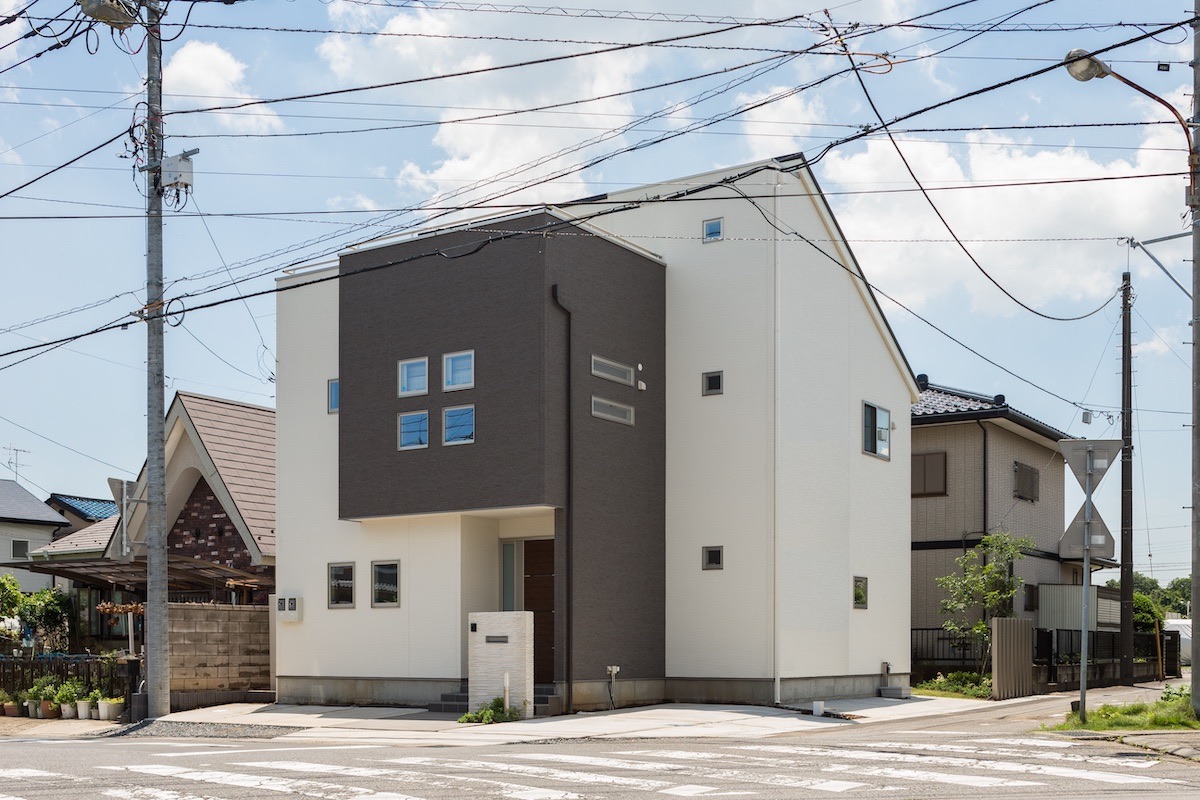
<point>1071,545</point>
<point>1104,453</point>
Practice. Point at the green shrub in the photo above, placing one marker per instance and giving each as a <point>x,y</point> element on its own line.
<point>1182,691</point>
<point>967,684</point>
<point>44,688</point>
<point>70,692</point>
<point>492,712</point>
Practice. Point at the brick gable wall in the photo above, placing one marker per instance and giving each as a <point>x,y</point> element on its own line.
<point>204,531</point>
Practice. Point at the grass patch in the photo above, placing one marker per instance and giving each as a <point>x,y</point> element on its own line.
<point>970,685</point>
<point>1173,712</point>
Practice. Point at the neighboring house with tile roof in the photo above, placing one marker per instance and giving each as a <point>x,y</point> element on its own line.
<point>981,466</point>
<point>26,524</point>
<point>675,432</point>
<point>220,478</point>
<point>80,511</point>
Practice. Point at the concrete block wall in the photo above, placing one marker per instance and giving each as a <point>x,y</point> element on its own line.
<point>488,660</point>
<point>219,648</point>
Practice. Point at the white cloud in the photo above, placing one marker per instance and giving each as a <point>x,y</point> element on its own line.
<point>781,127</point>
<point>204,74</point>
<point>351,202</point>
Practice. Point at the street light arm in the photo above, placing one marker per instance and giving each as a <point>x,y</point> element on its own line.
<point>1187,132</point>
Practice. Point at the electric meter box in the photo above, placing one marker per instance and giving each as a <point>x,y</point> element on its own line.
<point>289,609</point>
<point>177,172</point>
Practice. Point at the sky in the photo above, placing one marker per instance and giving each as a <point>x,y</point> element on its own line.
<point>384,115</point>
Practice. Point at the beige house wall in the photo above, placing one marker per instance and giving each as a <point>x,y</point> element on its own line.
<point>958,516</point>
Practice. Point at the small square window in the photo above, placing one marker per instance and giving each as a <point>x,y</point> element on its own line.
<point>414,430</point>
<point>458,425</point>
<point>414,377</point>
<point>712,383</point>
<point>877,430</point>
<point>1028,482</point>
<point>385,584</point>
<point>341,586</point>
<point>611,370</point>
<point>928,474</point>
<point>20,549</point>
<point>612,410</point>
<point>458,370</point>
<point>712,557</point>
<point>333,396</point>
<point>860,592</point>
<point>714,230</point>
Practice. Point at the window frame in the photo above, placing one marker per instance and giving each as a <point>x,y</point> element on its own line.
<point>609,416</point>
<point>329,587</point>
<point>720,223</point>
<point>1033,474</point>
<point>856,581</point>
<point>333,396</point>
<point>705,564</point>
<point>705,390</point>
<point>13,550</point>
<point>400,365</point>
<point>446,425</point>
<point>400,430</point>
<point>924,490</point>
<point>375,602</point>
<point>870,443</point>
<point>446,387</point>
<point>618,365</point>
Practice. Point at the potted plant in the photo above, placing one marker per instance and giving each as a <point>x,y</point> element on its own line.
<point>45,688</point>
<point>10,705</point>
<point>23,707</point>
<point>111,708</point>
<point>66,697</point>
<point>93,701</point>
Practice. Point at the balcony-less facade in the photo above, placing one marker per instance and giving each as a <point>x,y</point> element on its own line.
<point>648,429</point>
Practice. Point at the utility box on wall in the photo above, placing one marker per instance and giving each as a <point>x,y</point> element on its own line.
<point>289,609</point>
<point>499,643</point>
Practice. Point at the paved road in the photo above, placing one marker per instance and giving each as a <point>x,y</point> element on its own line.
<point>978,759</point>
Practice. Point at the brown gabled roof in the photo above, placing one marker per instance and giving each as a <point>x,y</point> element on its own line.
<point>93,538</point>
<point>240,440</point>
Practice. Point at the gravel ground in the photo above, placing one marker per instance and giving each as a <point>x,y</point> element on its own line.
<point>164,729</point>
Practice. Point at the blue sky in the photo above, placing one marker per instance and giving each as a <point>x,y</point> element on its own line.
<point>1043,180</point>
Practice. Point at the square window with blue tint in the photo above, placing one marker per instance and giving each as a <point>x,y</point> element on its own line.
<point>459,425</point>
<point>414,376</point>
<point>713,229</point>
<point>414,430</point>
<point>458,370</point>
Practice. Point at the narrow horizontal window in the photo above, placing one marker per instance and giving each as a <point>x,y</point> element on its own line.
<point>414,430</point>
<point>458,370</point>
<point>414,377</point>
<point>333,396</point>
<point>611,410</point>
<point>458,425</point>
<point>611,370</point>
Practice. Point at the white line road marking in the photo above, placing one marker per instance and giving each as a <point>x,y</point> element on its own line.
<point>147,793</point>
<point>327,791</point>
<point>1028,742</point>
<point>269,750</point>
<point>700,791</point>
<point>10,797</point>
<point>567,776</point>
<point>978,781</point>
<point>153,743</point>
<point>970,763</point>
<point>1140,762</point>
<point>514,790</point>
<point>734,775</point>
<point>18,774</point>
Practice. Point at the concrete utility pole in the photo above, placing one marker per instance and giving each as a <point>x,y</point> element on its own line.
<point>158,685</point>
<point>1193,202</point>
<point>1126,482</point>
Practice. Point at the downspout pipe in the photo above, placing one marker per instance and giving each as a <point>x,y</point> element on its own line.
<point>568,530</point>
<point>984,527</point>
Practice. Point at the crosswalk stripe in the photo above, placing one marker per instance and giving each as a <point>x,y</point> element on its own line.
<point>1028,742</point>
<point>976,763</point>
<point>568,776</point>
<point>327,791</point>
<point>269,750</point>
<point>148,793</point>
<point>19,774</point>
<point>1136,763</point>
<point>514,790</point>
<point>712,773</point>
<point>10,797</point>
<point>977,781</point>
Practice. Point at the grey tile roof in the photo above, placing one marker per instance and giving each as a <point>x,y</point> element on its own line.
<point>942,400</point>
<point>90,508</point>
<point>240,440</point>
<point>18,505</point>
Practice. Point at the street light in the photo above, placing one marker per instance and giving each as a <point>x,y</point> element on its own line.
<point>1083,66</point>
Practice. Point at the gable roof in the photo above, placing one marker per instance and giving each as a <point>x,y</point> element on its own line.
<point>939,405</point>
<point>18,505</point>
<point>92,539</point>
<point>90,508</point>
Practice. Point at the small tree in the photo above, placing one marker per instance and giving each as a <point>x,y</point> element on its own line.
<point>983,588</point>
<point>1146,613</point>
<point>10,603</point>
<point>47,613</point>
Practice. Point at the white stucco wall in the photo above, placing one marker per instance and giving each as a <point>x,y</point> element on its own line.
<point>37,536</point>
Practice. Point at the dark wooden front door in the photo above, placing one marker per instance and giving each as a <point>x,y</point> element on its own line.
<point>539,598</point>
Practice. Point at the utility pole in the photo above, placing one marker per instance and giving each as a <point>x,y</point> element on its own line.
<point>1193,202</point>
<point>1126,482</point>
<point>158,684</point>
